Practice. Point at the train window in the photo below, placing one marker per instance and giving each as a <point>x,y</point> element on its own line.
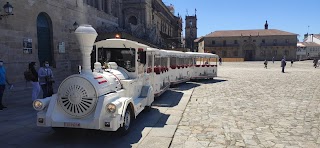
<point>149,60</point>
<point>164,61</point>
<point>173,62</point>
<point>157,61</point>
<point>124,57</point>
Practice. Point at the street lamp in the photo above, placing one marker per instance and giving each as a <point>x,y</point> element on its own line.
<point>7,9</point>
<point>75,26</point>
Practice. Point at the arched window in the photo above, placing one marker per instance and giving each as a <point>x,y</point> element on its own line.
<point>133,20</point>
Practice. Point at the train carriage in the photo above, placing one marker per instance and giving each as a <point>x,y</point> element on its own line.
<point>109,97</point>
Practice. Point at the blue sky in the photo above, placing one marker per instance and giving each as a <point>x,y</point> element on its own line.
<point>288,15</point>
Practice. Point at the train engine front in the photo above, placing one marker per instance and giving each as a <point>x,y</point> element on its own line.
<point>90,100</point>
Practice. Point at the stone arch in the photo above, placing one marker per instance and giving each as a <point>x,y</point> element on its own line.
<point>45,38</point>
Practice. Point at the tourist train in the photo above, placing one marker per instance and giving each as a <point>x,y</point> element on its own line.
<point>125,79</point>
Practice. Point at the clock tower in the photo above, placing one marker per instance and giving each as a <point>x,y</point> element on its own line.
<point>191,32</point>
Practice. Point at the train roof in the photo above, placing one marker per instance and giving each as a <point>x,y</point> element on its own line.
<point>203,55</point>
<point>119,43</point>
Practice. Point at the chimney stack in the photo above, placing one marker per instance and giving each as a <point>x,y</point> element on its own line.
<point>266,25</point>
<point>86,36</point>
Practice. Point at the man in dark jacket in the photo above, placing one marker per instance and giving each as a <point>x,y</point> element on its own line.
<point>283,64</point>
<point>34,81</point>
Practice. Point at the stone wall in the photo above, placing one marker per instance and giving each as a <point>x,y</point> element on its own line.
<point>23,25</point>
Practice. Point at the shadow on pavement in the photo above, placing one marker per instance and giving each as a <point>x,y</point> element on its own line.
<point>211,81</point>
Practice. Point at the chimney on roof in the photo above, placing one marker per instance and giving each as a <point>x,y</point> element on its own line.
<point>266,25</point>
<point>306,36</point>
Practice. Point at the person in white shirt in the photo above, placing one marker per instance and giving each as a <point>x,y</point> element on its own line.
<point>46,79</point>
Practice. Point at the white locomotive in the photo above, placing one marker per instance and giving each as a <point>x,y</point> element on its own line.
<point>109,98</point>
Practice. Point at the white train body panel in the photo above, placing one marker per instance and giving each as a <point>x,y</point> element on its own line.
<point>134,76</point>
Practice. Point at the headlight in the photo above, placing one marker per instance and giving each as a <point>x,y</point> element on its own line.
<point>111,108</point>
<point>38,105</point>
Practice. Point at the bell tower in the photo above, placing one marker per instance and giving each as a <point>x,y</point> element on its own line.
<point>191,32</point>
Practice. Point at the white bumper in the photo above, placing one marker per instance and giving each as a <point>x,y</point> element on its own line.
<point>54,116</point>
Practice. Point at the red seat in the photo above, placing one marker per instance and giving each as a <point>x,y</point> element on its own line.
<point>197,65</point>
<point>157,70</point>
<point>173,66</point>
<point>149,70</point>
<point>162,69</point>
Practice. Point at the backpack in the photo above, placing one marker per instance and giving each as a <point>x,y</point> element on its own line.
<point>28,75</point>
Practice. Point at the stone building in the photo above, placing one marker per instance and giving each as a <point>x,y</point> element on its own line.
<point>43,30</point>
<point>308,50</point>
<point>312,38</point>
<point>259,44</point>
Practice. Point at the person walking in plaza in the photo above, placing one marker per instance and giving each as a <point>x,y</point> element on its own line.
<point>273,60</point>
<point>291,63</point>
<point>315,63</point>
<point>3,81</point>
<point>283,64</point>
<point>46,79</point>
<point>265,64</point>
<point>34,81</point>
<point>220,61</point>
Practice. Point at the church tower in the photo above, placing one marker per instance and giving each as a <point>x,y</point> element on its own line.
<point>191,32</point>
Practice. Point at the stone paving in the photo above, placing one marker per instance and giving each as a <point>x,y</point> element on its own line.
<point>249,106</point>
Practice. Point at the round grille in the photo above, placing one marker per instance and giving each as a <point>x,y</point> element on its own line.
<point>78,97</point>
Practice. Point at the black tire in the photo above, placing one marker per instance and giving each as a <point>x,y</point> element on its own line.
<point>147,108</point>
<point>126,125</point>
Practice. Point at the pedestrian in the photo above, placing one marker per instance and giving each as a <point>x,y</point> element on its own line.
<point>3,81</point>
<point>265,64</point>
<point>34,81</point>
<point>315,63</point>
<point>283,64</point>
<point>273,60</point>
<point>291,63</point>
<point>46,79</point>
<point>220,61</point>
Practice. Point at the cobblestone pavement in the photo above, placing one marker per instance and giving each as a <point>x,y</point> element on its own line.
<point>249,106</point>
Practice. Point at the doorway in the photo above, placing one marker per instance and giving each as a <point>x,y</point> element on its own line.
<point>44,36</point>
<point>249,52</point>
<point>249,55</point>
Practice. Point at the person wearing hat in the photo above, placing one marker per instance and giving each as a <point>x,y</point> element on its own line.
<point>46,79</point>
<point>3,80</point>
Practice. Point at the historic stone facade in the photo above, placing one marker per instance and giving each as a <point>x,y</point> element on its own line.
<point>257,44</point>
<point>43,30</point>
<point>191,32</point>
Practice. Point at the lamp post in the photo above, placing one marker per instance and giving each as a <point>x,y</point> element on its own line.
<point>75,26</point>
<point>7,9</point>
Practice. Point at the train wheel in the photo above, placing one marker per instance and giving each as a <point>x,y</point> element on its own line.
<point>128,116</point>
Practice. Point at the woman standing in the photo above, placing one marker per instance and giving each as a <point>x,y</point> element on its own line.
<point>34,81</point>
